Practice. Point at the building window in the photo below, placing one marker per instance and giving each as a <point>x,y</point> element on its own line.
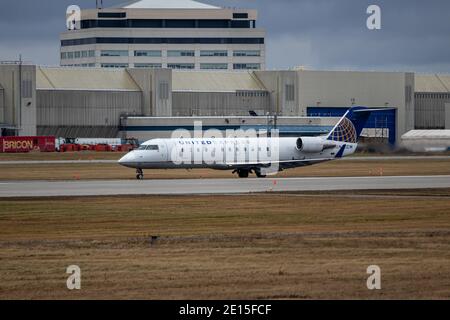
<point>213,53</point>
<point>148,65</point>
<point>164,90</point>
<point>27,89</point>
<point>147,53</point>
<point>84,54</point>
<point>214,66</point>
<point>119,22</point>
<point>408,94</point>
<point>77,54</point>
<point>69,55</point>
<point>91,53</point>
<point>180,66</point>
<point>213,23</point>
<point>290,92</point>
<point>118,40</point>
<point>114,65</point>
<point>247,53</point>
<point>180,53</point>
<point>246,66</point>
<point>113,53</point>
<point>240,24</point>
<point>112,14</point>
<point>180,23</point>
<point>145,23</point>
<point>63,55</point>
<point>239,15</point>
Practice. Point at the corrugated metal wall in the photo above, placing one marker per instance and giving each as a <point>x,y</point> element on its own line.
<point>78,131</point>
<point>89,108</point>
<point>430,110</point>
<point>219,103</point>
<point>70,113</point>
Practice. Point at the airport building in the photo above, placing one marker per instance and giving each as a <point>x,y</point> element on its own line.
<point>174,34</point>
<point>144,103</point>
<point>146,68</point>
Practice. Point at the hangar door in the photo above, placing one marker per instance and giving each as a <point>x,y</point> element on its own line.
<point>380,123</point>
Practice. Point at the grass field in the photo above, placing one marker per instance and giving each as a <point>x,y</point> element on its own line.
<point>82,155</point>
<point>297,246</point>
<point>330,169</point>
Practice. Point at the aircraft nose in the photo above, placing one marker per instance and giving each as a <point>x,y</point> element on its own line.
<point>127,159</point>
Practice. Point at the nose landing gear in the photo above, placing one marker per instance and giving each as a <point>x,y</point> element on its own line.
<point>139,174</point>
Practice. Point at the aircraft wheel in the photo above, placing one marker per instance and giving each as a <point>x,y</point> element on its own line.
<point>243,173</point>
<point>140,176</point>
<point>258,173</point>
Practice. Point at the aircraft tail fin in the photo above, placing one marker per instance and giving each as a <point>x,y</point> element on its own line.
<point>350,126</point>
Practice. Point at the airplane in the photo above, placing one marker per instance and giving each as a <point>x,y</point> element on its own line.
<point>244,155</point>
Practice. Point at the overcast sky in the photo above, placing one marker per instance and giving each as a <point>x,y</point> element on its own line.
<point>316,34</point>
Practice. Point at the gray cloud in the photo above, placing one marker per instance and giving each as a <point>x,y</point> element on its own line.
<point>318,34</point>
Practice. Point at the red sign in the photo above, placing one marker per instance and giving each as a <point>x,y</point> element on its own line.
<point>27,144</point>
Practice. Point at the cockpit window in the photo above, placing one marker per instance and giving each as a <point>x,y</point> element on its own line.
<point>148,147</point>
<point>152,147</point>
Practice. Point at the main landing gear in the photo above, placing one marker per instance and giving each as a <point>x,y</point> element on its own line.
<point>243,173</point>
<point>139,174</point>
<point>259,174</point>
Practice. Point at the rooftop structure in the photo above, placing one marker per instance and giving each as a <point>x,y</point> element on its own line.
<point>174,34</point>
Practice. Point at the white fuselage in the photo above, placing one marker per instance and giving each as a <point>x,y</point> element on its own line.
<point>235,153</point>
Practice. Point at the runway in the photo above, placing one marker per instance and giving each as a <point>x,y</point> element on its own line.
<point>214,186</point>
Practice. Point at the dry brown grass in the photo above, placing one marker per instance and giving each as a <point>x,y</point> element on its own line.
<point>265,246</point>
<point>82,155</point>
<point>329,169</point>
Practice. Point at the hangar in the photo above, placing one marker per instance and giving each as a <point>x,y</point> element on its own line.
<point>144,103</point>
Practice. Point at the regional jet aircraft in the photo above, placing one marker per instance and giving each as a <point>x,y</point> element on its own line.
<point>245,155</point>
